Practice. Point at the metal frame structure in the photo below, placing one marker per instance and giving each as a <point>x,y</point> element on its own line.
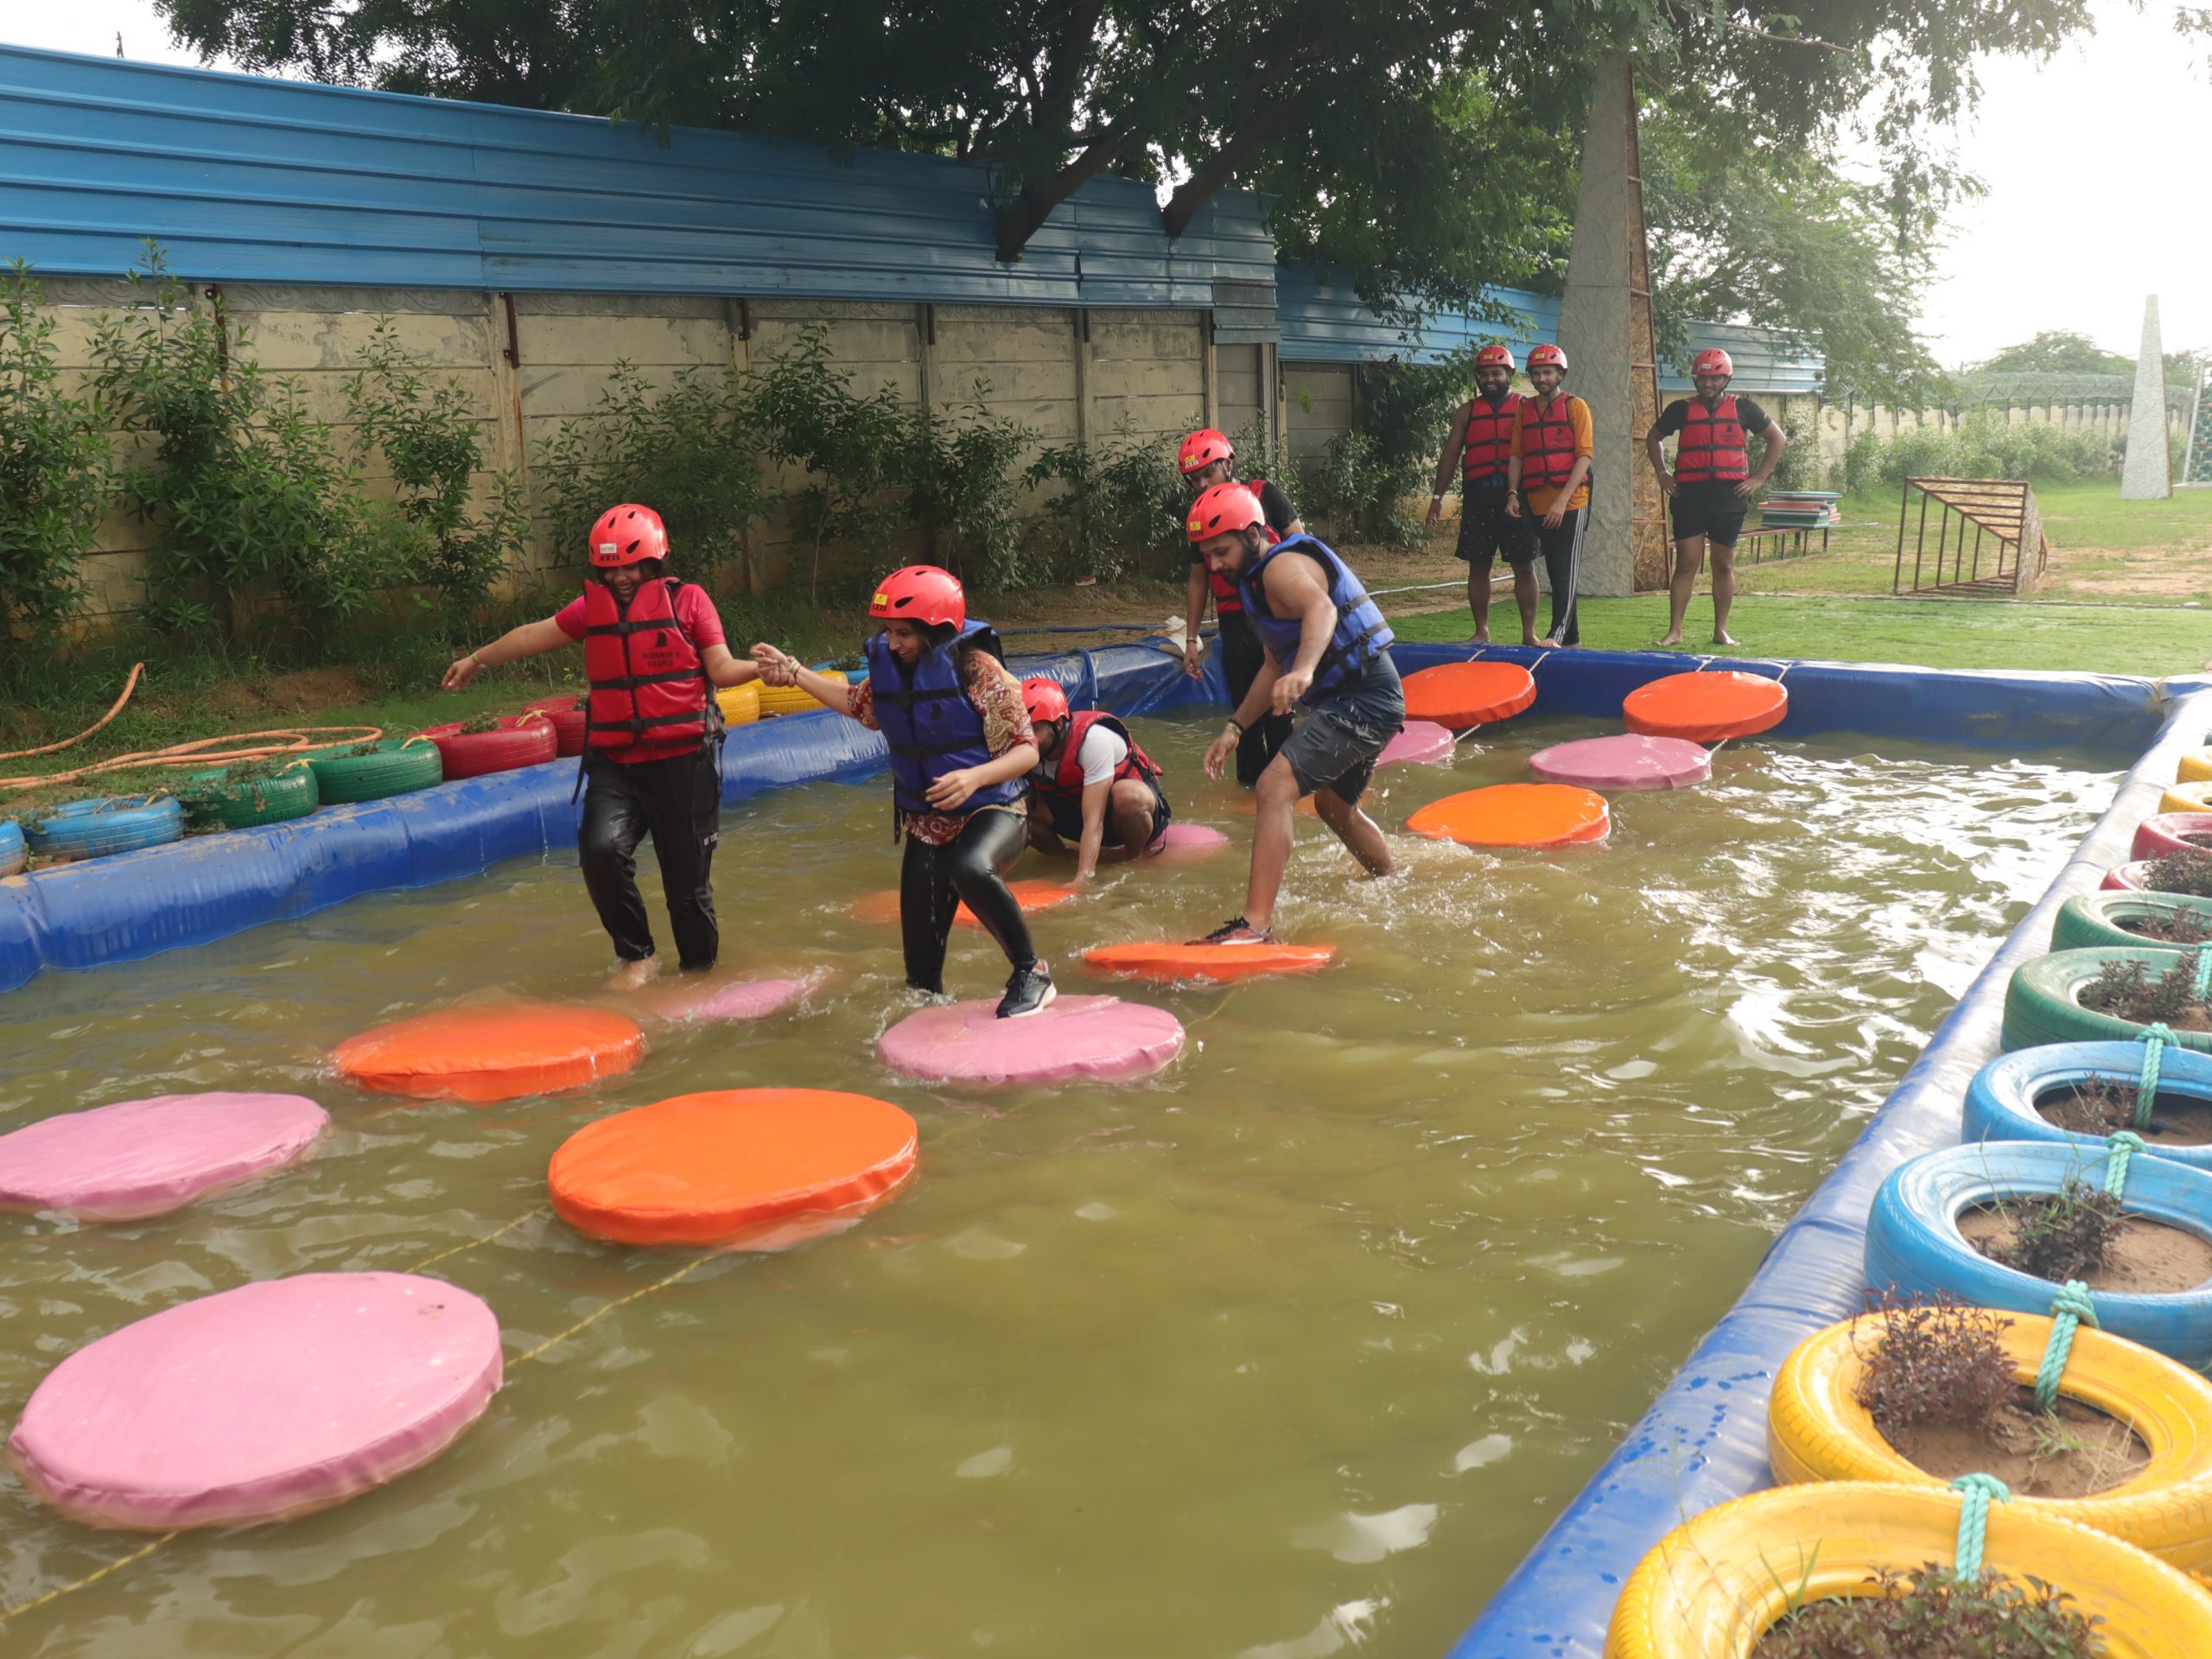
<point>2002,512</point>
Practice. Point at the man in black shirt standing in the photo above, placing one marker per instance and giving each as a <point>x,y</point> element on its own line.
<point>1712,485</point>
<point>1206,459</point>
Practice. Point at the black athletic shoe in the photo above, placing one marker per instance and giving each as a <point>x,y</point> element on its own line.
<point>1029,991</point>
<point>1238,931</point>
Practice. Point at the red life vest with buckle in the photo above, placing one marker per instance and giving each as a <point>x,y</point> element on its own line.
<point>1067,775</point>
<point>648,685</point>
<point>1490,438</point>
<point>1547,441</point>
<point>1224,588</point>
<point>1711,443</point>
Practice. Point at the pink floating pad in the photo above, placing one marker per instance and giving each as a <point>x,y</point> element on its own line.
<point>141,1158</point>
<point>1624,761</point>
<point>1187,843</point>
<point>1102,1038</point>
<point>752,999</point>
<point>1421,740</point>
<point>259,1403</point>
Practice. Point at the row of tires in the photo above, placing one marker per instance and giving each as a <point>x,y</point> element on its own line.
<point>1848,1503</point>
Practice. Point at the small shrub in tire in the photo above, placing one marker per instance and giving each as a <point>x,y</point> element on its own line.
<point>2042,1005</point>
<point>393,767</point>
<point>238,798</point>
<point>515,741</point>
<point>2105,920</point>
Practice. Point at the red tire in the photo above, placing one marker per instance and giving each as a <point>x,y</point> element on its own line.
<point>2164,832</point>
<point>567,720</point>
<point>519,740</point>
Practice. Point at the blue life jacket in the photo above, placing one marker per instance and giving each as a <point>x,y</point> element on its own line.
<point>1361,633</point>
<point>925,714</point>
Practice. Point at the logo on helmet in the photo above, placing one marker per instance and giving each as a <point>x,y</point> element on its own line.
<point>880,599</point>
<point>607,549</point>
<point>1197,523</point>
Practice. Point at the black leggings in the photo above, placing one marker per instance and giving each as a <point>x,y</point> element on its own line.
<point>935,881</point>
<point>679,804</point>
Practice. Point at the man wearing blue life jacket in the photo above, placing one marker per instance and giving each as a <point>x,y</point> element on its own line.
<point>1328,651</point>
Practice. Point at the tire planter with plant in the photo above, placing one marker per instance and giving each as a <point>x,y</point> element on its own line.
<point>2195,768</point>
<point>566,715</point>
<point>2187,797</point>
<point>243,797</point>
<point>101,825</point>
<point>1716,1584</point>
<point>2002,1101</point>
<point>14,852</point>
<point>367,771</point>
<point>2043,1004</point>
<point>2170,832</point>
<point>1915,1247</point>
<point>507,744</point>
<point>2188,871</point>
<point>2110,918</point>
<point>1817,1429</point>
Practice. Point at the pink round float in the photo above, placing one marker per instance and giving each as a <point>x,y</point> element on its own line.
<point>140,1158</point>
<point>1422,741</point>
<point>1625,760</point>
<point>1187,843</point>
<point>2173,832</point>
<point>259,1403</point>
<point>752,999</point>
<point>1100,1038</point>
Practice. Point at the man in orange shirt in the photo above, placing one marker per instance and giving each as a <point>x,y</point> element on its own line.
<point>1548,480</point>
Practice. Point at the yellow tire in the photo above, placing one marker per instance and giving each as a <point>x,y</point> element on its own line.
<point>1716,1584</point>
<point>2187,797</point>
<point>2195,767</point>
<point>740,704</point>
<point>785,700</point>
<point>1817,1430</point>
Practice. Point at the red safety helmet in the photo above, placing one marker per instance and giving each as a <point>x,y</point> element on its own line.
<point>1044,701</point>
<point>1714,360</point>
<point>1548,357</point>
<point>1496,357</point>
<point>920,593</point>
<point>1202,448</point>
<point>1222,511</point>
<point>625,534</point>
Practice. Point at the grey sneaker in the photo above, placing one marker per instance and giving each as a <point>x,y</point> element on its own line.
<point>1029,991</point>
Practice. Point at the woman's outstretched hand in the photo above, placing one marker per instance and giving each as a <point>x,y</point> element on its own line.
<point>776,667</point>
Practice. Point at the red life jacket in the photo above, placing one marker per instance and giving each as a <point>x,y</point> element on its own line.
<point>1067,774</point>
<point>1711,443</point>
<point>1547,441</point>
<point>1224,588</point>
<point>648,685</point>
<point>1489,437</point>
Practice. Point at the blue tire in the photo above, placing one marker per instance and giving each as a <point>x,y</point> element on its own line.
<point>1913,1243</point>
<point>13,853</point>
<point>116,823</point>
<point>2001,1099</point>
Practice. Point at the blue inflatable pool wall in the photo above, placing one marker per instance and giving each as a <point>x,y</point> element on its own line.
<point>1703,1441</point>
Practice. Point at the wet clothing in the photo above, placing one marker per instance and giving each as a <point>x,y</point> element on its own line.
<point>1488,442</point>
<point>1547,438</point>
<point>1096,749</point>
<point>1711,509</point>
<point>936,877</point>
<point>676,801</point>
<point>1336,746</point>
<point>996,695</point>
<point>1694,453</point>
<point>928,723</point>
<point>1562,554</point>
<point>1275,507</point>
<point>1243,657</point>
<point>651,651</point>
<point>1488,532</point>
<point>1360,633</point>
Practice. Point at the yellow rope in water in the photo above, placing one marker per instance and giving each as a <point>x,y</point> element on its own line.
<point>601,1312</point>
<point>497,1232</point>
<point>92,1578</point>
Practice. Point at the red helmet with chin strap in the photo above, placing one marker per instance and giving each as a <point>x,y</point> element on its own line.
<point>1222,511</point>
<point>1496,357</point>
<point>626,534</point>
<point>1044,700</point>
<point>1201,449</point>
<point>920,593</point>
<point>1547,356</point>
<point>1714,360</point>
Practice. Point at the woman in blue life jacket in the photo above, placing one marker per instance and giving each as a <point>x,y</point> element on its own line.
<point>961,749</point>
<point>1328,652</point>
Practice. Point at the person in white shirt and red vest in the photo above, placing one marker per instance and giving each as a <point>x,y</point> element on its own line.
<point>1205,458</point>
<point>1711,485</point>
<point>1095,785</point>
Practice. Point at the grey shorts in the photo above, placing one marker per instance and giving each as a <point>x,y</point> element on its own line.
<point>1336,744</point>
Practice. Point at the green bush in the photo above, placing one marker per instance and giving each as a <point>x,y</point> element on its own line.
<point>961,481</point>
<point>1373,480</point>
<point>1119,501</point>
<point>1982,445</point>
<point>54,468</point>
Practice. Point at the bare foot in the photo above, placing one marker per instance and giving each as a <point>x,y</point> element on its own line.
<point>1529,641</point>
<point>634,976</point>
<point>1479,637</point>
<point>1722,636</point>
<point>1664,640</point>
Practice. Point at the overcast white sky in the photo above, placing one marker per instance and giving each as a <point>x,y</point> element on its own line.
<point>2094,163</point>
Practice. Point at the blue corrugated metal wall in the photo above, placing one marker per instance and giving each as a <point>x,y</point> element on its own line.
<point>242,179</point>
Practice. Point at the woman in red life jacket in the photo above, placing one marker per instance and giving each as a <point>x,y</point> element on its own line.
<point>1095,786</point>
<point>961,748</point>
<point>653,651</point>
<point>1711,485</point>
<point>1205,458</point>
<point>1480,449</point>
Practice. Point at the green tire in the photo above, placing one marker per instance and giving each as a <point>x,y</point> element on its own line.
<point>212,800</point>
<point>2042,1004</point>
<point>2092,921</point>
<point>397,768</point>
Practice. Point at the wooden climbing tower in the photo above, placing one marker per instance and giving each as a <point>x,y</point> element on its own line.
<point>1989,540</point>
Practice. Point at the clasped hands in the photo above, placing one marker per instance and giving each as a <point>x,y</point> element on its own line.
<point>776,667</point>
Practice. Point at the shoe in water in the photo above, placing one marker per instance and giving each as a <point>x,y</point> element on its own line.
<point>1029,991</point>
<point>1238,931</point>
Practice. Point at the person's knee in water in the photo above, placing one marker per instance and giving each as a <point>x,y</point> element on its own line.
<point>961,748</point>
<point>1094,784</point>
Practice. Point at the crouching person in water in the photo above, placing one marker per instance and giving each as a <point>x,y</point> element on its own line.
<point>653,651</point>
<point>1096,788</point>
<point>961,748</point>
<point>1328,651</point>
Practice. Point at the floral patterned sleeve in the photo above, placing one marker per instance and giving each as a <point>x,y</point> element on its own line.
<point>863,707</point>
<point>997,696</point>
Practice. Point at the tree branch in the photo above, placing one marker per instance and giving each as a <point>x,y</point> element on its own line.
<point>1212,174</point>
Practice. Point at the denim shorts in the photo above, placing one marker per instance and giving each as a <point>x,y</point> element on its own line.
<point>1336,744</point>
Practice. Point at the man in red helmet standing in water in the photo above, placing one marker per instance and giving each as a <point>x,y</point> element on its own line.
<point>1711,485</point>
<point>653,650</point>
<point>1481,445</point>
<point>1548,483</point>
<point>1206,459</point>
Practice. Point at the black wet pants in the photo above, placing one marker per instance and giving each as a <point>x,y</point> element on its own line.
<point>1243,657</point>
<point>935,881</point>
<point>678,803</point>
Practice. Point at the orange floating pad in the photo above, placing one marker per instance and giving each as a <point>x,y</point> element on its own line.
<point>1706,707</point>
<point>1032,894</point>
<point>1223,964</point>
<point>500,1052</point>
<point>1515,815</point>
<point>764,1168</point>
<point>1461,695</point>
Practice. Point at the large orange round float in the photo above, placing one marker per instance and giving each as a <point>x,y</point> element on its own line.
<point>1515,815</point>
<point>1705,708</point>
<point>1459,694</point>
<point>1163,963</point>
<point>1032,894</point>
<point>758,1167</point>
<point>498,1052</point>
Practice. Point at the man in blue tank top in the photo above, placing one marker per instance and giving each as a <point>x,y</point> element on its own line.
<point>1328,652</point>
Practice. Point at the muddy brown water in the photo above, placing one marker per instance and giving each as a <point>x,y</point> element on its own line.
<point>1296,1348</point>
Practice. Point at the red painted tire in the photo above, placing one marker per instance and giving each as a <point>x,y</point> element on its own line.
<point>567,721</point>
<point>519,740</point>
<point>2164,833</point>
